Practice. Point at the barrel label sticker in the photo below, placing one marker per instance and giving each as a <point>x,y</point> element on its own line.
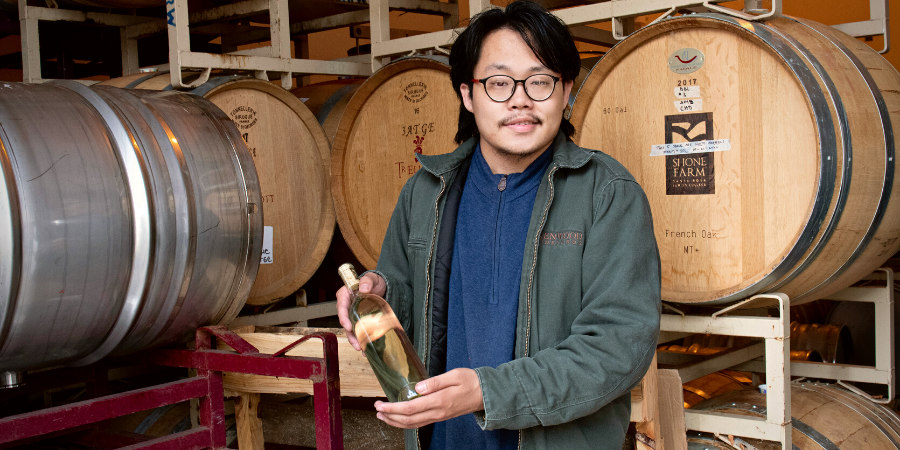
<point>687,91</point>
<point>690,105</point>
<point>267,246</point>
<point>244,117</point>
<point>686,60</point>
<point>415,92</point>
<point>690,166</point>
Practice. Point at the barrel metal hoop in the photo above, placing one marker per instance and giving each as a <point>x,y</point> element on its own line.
<point>889,155</point>
<point>134,171</point>
<point>215,82</point>
<point>10,237</point>
<point>333,100</point>
<point>847,166</point>
<point>134,84</point>
<point>827,143</point>
<point>813,434</point>
<point>870,411</point>
<point>151,418</point>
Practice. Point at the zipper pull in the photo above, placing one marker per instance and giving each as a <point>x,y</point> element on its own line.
<point>502,186</point>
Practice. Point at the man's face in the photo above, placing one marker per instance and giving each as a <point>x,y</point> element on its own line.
<point>514,132</point>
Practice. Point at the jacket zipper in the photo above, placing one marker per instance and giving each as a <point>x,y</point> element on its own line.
<point>428,286</point>
<point>537,240</point>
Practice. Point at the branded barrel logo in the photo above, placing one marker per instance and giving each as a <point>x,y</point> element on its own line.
<point>686,60</point>
<point>244,117</point>
<point>415,92</point>
<point>692,174</point>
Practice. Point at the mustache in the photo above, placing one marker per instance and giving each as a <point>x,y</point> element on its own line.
<point>509,119</point>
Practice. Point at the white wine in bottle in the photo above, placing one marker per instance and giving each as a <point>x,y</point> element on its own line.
<point>387,348</point>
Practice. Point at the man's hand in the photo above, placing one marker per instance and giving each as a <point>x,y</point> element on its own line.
<point>370,283</point>
<point>446,396</point>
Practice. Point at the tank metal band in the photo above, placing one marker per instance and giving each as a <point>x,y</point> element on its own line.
<point>827,142</point>
<point>245,274</point>
<point>177,171</point>
<point>846,167</point>
<point>889,163</point>
<point>188,207</point>
<point>10,237</point>
<point>140,210</point>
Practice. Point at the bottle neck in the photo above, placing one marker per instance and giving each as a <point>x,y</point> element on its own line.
<point>348,275</point>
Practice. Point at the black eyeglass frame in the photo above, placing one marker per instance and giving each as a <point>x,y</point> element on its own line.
<point>516,86</point>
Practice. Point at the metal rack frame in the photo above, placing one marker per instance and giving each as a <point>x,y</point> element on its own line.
<point>207,386</point>
<point>884,369</point>
<point>775,362</point>
<point>275,58</point>
<point>877,25</point>
<point>618,12</point>
<point>776,333</point>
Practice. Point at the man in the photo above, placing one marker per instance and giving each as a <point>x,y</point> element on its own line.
<point>524,268</point>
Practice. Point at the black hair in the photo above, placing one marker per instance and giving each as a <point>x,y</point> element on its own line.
<point>546,35</point>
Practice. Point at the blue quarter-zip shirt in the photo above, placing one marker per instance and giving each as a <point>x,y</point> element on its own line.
<point>485,274</point>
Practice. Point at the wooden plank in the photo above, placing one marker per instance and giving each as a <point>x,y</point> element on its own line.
<point>249,425</point>
<point>673,434</point>
<point>648,425</point>
<point>357,377</point>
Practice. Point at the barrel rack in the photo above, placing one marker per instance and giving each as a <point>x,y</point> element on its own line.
<point>207,386</point>
<point>275,59</point>
<point>772,357</point>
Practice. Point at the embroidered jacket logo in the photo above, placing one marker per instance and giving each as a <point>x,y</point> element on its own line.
<point>562,238</point>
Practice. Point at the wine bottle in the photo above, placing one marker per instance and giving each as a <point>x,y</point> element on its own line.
<point>386,346</point>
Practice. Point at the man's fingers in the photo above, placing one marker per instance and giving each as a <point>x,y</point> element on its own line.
<point>407,422</point>
<point>411,414</point>
<point>372,283</point>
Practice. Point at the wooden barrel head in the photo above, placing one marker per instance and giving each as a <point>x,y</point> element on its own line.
<point>740,135</point>
<point>407,107</point>
<point>292,159</point>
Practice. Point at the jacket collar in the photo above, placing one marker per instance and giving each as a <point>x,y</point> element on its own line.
<point>566,154</point>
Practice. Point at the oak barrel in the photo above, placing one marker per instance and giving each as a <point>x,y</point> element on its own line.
<point>766,151</point>
<point>407,107</point>
<point>823,416</point>
<point>127,220</point>
<point>292,157</point>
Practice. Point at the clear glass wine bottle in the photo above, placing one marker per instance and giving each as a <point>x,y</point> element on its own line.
<point>386,346</point>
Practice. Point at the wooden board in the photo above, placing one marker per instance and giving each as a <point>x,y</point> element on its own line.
<point>770,209</point>
<point>671,411</point>
<point>407,107</point>
<point>357,377</point>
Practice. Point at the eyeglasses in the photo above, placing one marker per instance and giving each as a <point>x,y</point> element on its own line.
<point>500,88</point>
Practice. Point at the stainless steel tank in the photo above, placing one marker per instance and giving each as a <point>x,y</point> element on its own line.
<point>127,220</point>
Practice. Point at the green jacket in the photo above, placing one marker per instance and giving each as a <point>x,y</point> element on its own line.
<point>589,299</point>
